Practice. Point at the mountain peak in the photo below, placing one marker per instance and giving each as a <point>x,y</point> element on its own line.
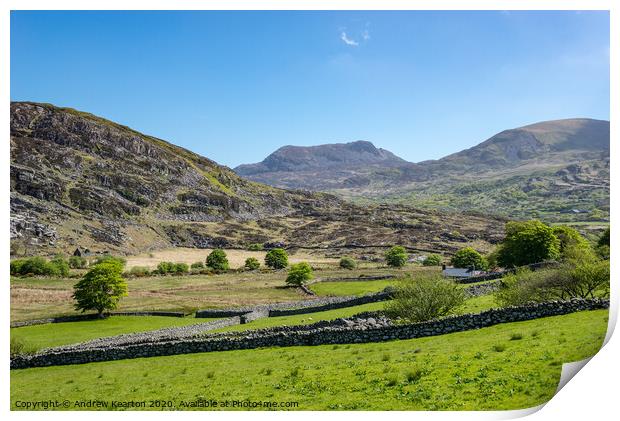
<point>321,157</point>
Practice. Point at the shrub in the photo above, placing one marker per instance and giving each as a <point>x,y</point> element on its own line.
<point>61,265</point>
<point>251,263</point>
<point>604,240</point>
<point>276,259</point>
<point>469,258</point>
<point>38,266</point>
<point>165,267</point>
<point>425,299</point>
<point>198,265</point>
<point>527,242</point>
<point>396,256</point>
<point>432,260</point>
<point>299,274</point>
<point>255,247</point>
<point>180,268</point>
<point>585,279</point>
<point>139,271</point>
<point>570,241</point>
<point>16,266</point>
<point>77,262</point>
<point>109,258</point>
<point>603,252</point>
<point>101,288</point>
<point>217,260</point>
<point>347,263</point>
<point>19,347</point>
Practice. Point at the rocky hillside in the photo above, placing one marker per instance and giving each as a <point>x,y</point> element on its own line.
<point>80,180</point>
<point>549,169</point>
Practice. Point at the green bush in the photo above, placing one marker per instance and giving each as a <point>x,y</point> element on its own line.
<point>198,265</point>
<point>61,266</point>
<point>396,256</point>
<point>347,263</point>
<point>432,260</point>
<point>571,244</point>
<point>299,274</point>
<point>217,260</point>
<point>603,252</point>
<point>604,240</point>
<point>16,266</point>
<point>77,262</point>
<point>584,279</point>
<point>527,242</point>
<point>180,268</point>
<point>38,266</point>
<point>139,271</point>
<point>469,258</point>
<point>252,263</point>
<point>276,259</point>
<point>424,299</point>
<point>19,347</point>
<point>255,247</point>
<point>101,288</point>
<point>109,258</point>
<point>165,267</point>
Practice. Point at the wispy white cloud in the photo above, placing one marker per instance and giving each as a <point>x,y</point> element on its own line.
<point>347,40</point>
<point>366,35</point>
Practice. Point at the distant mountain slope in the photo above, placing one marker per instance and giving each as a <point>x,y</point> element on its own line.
<point>330,156</point>
<point>507,165</point>
<point>80,180</point>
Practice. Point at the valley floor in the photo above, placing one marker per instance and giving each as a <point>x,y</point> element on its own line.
<point>36,298</point>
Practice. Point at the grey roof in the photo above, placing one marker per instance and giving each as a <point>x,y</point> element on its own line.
<point>459,272</point>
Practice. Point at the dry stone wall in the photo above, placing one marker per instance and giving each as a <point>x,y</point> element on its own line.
<point>311,335</point>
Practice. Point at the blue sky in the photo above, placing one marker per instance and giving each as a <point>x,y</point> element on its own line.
<point>235,86</point>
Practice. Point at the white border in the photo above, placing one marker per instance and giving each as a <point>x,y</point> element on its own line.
<point>591,394</point>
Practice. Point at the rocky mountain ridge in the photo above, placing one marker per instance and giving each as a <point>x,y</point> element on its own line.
<point>80,180</point>
<point>566,160</point>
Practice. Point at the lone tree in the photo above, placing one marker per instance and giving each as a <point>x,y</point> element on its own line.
<point>527,242</point>
<point>217,260</point>
<point>251,263</point>
<point>101,288</point>
<point>396,256</point>
<point>469,258</point>
<point>426,298</point>
<point>299,274</point>
<point>276,258</point>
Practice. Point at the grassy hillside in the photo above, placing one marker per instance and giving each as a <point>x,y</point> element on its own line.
<point>510,366</point>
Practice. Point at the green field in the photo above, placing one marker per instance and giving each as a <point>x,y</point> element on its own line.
<point>54,334</point>
<point>483,369</point>
<point>350,287</point>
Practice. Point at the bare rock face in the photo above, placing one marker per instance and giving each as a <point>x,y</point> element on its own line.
<point>78,179</point>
